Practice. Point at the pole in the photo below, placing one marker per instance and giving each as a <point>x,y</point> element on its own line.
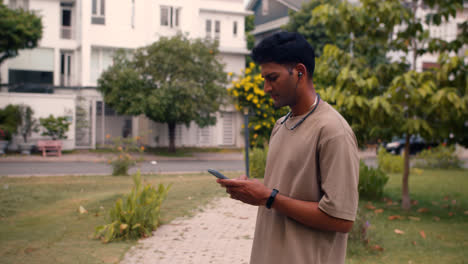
<point>246,126</point>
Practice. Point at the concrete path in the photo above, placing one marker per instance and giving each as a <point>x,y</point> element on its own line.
<point>222,232</point>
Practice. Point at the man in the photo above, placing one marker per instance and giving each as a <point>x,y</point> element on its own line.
<point>309,198</point>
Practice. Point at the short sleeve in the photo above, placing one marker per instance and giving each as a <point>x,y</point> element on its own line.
<point>339,176</point>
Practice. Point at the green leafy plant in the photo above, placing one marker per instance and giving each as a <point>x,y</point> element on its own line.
<point>359,232</point>
<point>371,181</point>
<point>123,159</point>
<point>55,127</point>
<point>28,123</point>
<point>9,120</point>
<point>137,215</point>
<point>257,157</point>
<point>389,163</point>
<point>440,157</point>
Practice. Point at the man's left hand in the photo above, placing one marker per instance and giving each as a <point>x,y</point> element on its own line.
<point>248,191</point>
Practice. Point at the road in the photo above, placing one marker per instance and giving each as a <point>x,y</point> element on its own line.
<point>94,168</point>
<point>32,168</point>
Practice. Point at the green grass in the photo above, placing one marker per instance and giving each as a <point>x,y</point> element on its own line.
<point>446,240</point>
<point>40,222</point>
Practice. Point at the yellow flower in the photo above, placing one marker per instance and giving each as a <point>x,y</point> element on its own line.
<point>142,148</point>
<point>229,73</point>
<point>265,115</point>
<point>119,148</point>
<point>255,101</point>
<point>108,136</point>
<point>255,135</point>
<point>137,138</point>
<point>257,127</point>
<point>235,93</point>
<point>251,65</point>
<point>249,97</point>
<point>248,71</point>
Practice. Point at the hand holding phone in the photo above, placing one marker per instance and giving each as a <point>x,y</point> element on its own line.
<point>218,174</point>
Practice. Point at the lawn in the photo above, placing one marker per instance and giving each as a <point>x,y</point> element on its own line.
<point>40,221</point>
<point>439,210</point>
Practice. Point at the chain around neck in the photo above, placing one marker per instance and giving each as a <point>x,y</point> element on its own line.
<point>313,106</point>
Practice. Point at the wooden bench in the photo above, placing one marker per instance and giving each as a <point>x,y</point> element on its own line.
<point>50,147</point>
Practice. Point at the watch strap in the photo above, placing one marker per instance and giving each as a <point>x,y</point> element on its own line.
<point>271,199</point>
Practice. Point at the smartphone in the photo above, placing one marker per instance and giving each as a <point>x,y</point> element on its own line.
<point>218,174</point>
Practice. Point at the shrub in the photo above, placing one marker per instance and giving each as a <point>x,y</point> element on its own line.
<point>257,162</point>
<point>441,157</point>
<point>389,163</point>
<point>10,118</point>
<point>123,160</point>
<point>135,217</point>
<point>371,181</point>
<point>55,127</point>
<point>359,232</point>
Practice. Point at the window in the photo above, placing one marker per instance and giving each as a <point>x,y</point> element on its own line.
<point>265,7</point>
<point>19,4</point>
<point>98,12</point>
<point>170,16</point>
<point>66,21</point>
<point>65,68</point>
<point>208,28</point>
<point>164,16</point>
<point>217,29</point>
<point>234,29</point>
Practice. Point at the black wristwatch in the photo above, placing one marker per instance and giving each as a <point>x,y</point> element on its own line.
<point>271,199</point>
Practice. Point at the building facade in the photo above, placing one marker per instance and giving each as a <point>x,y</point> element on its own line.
<point>79,41</point>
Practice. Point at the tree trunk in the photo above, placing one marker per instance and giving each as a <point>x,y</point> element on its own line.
<point>172,126</point>
<point>406,202</point>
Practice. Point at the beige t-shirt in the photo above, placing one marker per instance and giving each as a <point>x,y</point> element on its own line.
<point>317,161</point>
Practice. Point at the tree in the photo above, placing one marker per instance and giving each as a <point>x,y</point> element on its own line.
<point>383,99</point>
<point>28,123</point>
<point>174,81</point>
<point>55,127</point>
<point>19,29</point>
<point>247,92</point>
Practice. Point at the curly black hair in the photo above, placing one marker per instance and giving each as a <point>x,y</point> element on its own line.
<point>285,48</point>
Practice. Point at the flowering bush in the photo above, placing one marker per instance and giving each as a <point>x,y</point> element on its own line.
<point>247,92</point>
<point>4,134</point>
<point>123,159</point>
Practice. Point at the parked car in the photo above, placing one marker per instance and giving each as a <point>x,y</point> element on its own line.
<point>417,144</point>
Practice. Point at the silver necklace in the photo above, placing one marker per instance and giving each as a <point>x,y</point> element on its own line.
<point>314,106</point>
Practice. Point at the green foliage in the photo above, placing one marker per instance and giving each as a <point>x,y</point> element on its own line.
<point>137,215</point>
<point>257,158</point>
<point>247,92</point>
<point>10,118</point>
<point>389,163</point>
<point>440,157</point>
<point>55,127</point>
<point>19,29</point>
<point>371,181</point>
<point>123,159</point>
<point>165,79</point>
<point>28,123</point>
<point>360,231</point>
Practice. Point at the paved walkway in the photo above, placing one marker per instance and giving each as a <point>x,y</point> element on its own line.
<point>221,233</point>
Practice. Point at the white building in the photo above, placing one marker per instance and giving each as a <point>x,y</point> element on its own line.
<point>79,39</point>
<point>447,31</point>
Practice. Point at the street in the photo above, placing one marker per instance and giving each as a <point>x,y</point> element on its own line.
<point>99,168</point>
<point>36,168</point>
